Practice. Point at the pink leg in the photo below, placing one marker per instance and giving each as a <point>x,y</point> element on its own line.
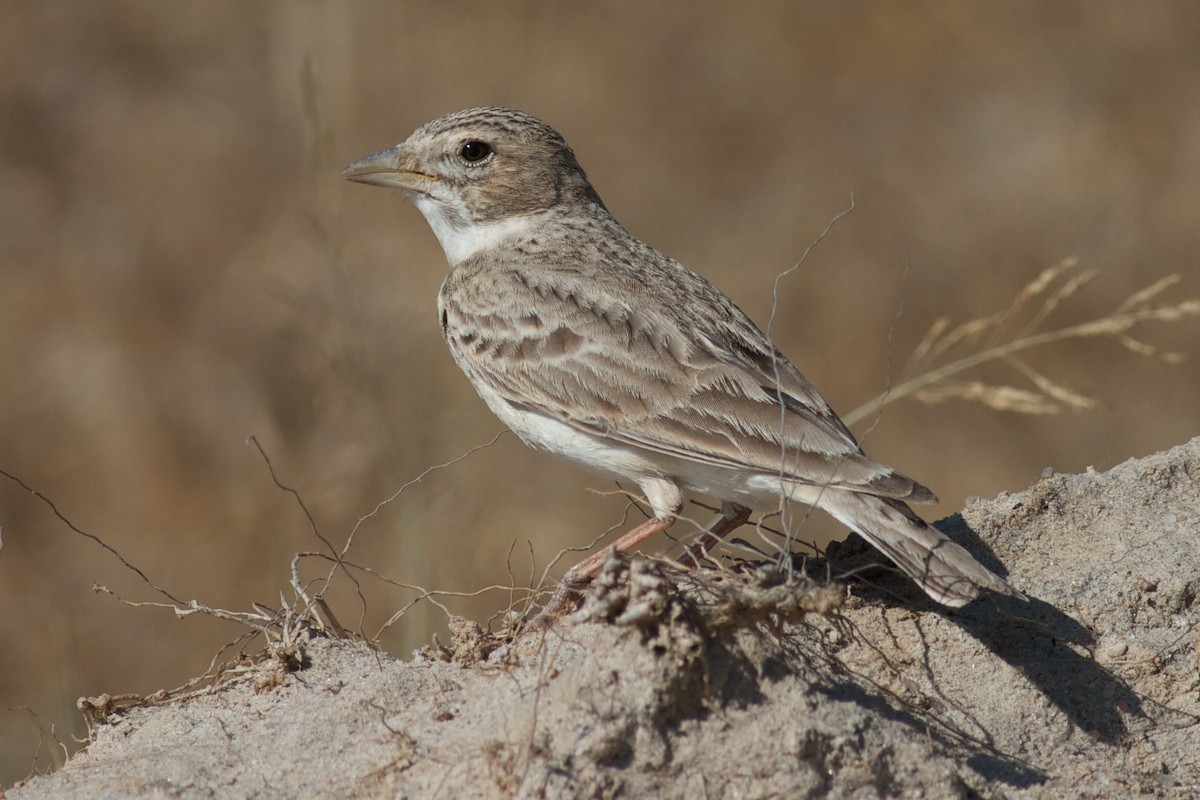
<point>732,517</point>
<point>580,575</point>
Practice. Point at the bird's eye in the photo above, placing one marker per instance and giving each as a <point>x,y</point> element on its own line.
<point>473,152</point>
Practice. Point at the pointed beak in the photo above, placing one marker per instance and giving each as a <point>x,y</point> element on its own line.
<point>391,167</point>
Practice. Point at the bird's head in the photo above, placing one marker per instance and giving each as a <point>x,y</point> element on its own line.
<point>480,175</point>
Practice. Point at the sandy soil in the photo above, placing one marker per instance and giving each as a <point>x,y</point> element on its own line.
<point>751,688</point>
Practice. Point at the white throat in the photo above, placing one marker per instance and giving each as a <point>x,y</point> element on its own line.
<point>460,237</point>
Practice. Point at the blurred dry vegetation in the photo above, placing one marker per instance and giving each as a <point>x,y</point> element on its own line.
<point>181,267</point>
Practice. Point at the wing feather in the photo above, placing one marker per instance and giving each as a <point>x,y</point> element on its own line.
<point>569,348</point>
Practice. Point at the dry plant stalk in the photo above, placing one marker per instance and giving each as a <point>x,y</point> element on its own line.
<point>945,352</point>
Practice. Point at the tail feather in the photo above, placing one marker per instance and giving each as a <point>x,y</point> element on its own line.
<point>947,572</point>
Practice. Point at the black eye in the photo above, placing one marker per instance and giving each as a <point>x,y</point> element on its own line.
<point>473,152</point>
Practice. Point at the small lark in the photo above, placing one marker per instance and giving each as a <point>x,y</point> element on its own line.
<point>594,346</point>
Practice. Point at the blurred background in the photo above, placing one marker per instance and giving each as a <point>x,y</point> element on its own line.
<point>181,268</point>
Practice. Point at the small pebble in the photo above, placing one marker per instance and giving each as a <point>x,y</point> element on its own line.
<point>1114,651</point>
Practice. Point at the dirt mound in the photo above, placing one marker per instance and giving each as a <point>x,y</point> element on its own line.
<point>779,689</point>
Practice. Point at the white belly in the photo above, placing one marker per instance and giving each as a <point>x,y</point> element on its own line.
<point>658,475</point>
<point>597,454</point>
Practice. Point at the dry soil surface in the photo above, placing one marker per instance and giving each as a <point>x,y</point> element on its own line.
<point>750,687</point>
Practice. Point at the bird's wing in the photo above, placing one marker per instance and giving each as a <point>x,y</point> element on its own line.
<point>572,351</point>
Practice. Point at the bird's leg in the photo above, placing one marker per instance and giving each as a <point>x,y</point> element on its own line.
<point>733,517</point>
<point>579,576</point>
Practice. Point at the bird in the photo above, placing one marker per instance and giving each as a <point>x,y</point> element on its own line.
<point>595,347</point>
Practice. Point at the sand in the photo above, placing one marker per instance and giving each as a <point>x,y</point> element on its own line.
<point>658,688</point>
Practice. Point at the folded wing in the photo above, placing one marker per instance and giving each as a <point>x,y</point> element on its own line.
<point>568,349</point>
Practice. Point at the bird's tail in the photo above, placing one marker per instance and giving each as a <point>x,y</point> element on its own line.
<point>947,572</point>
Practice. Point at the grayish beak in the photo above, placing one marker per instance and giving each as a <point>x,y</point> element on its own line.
<point>387,168</point>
